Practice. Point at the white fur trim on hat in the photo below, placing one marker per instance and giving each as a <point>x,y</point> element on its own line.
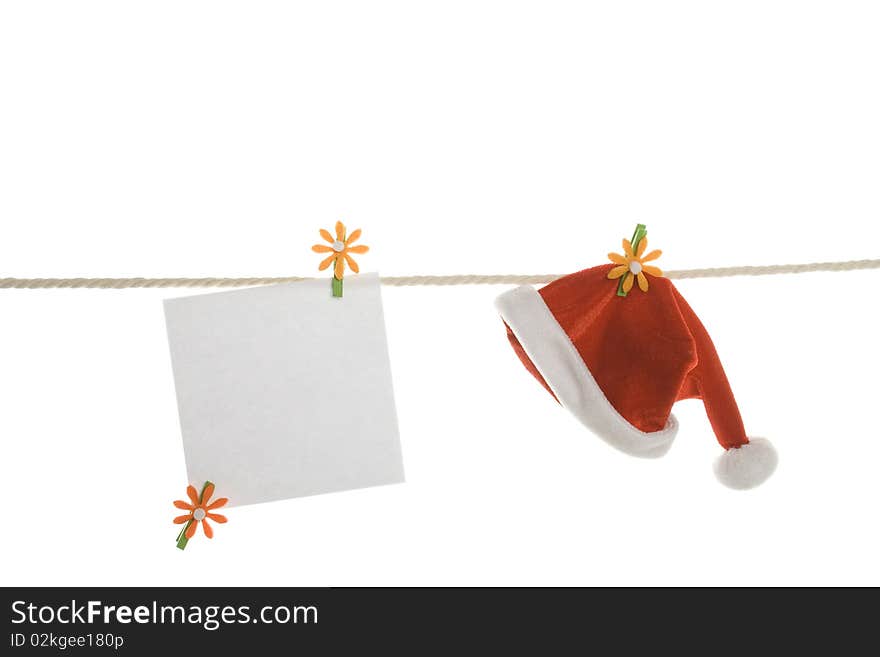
<point>748,466</point>
<point>556,358</point>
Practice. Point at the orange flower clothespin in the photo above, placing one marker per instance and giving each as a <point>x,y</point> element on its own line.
<point>340,251</point>
<point>631,266</point>
<point>200,510</point>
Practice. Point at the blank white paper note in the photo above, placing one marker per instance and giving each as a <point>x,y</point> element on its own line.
<point>285,391</point>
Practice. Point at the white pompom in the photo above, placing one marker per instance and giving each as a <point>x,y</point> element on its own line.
<point>748,466</point>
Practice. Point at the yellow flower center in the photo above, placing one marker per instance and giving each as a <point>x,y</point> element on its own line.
<point>635,267</point>
<point>338,246</point>
<point>199,514</point>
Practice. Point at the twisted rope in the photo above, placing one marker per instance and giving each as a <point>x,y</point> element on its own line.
<point>455,279</point>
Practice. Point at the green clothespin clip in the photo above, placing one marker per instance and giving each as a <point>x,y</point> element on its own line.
<point>340,247</point>
<point>640,233</point>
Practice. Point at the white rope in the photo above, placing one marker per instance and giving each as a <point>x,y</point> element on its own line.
<point>455,279</point>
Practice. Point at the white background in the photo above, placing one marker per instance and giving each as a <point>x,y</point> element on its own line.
<point>215,138</point>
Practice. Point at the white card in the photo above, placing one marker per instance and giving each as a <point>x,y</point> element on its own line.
<point>285,391</point>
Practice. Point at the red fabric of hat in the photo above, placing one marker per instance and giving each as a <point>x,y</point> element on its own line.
<point>620,363</point>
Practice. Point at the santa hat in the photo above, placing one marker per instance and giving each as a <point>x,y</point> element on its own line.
<point>618,359</point>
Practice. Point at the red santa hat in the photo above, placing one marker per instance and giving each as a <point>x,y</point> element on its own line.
<point>618,359</point>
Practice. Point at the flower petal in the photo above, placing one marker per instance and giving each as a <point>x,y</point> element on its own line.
<point>179,520</point>
<point>216,504</point>
<point>616,258</point>
<point>180,504</point>
<point>653,255</point>
<point>207,491</point>
<point>340,231</point>
<point>654,271</point>
<point>339,269</point>
<point>360,248</point>
<point>191,530</point>
<point>640,249</point>
<point>617,272</point>
<point>326,262</point>
<point>643,282</point>
<point>193,495</point>
<point>355,234</point>
<point>327,236</point>
<point>627,248</point>
<point>207,529</point>
<point>216,517</point>
<point>628,283</point>
<point>322,248</point>
<point>351,263</point>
